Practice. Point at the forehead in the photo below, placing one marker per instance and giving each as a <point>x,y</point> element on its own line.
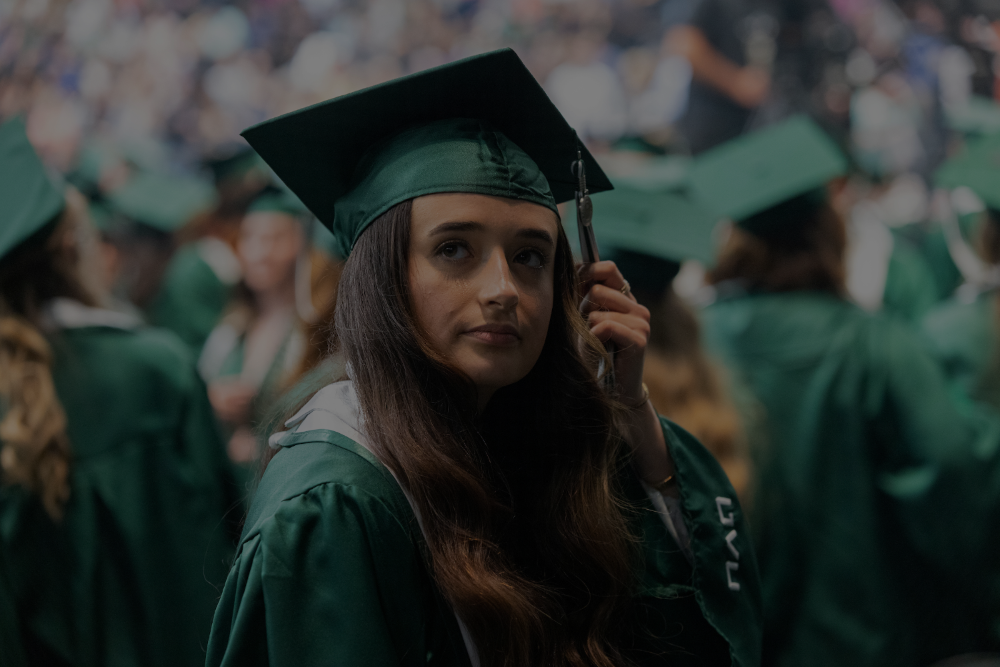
<point>431,210</point>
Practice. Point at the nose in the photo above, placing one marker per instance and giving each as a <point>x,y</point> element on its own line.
<point>497,286</point>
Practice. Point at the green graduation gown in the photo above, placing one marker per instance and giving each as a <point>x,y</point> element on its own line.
<point>196,289</point>
<point>910,288</point>
<point>330,570</point>
<point>131,574</point>
<point>873,490</point>
<point>963,337</point>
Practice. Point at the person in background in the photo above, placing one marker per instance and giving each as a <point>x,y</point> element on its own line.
<point>724,89</point>
<point>257,349</point>
<point>181,288</point>
<point>116,486</point>
<point>649,234</point>
<point>874,491</point>
<point>963,331</point>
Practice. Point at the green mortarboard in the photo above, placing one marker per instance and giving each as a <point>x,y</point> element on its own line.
<point>162,202</point>
<point>279,200</point>
<point>233,162</point>
<point>479,125</point>
<point>101,217</point>
<point>786,164</point>
<point>978,116</point>
<point>651,232</point>
<point>977,168</point>
<point>29,196</point>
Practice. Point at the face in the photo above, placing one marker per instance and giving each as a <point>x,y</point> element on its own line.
<point>268,247</point>
<point>482,281</point>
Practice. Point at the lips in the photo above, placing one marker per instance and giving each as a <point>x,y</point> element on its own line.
<point>495,334</point>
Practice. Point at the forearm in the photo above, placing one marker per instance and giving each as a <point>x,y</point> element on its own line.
<point>645,434</point>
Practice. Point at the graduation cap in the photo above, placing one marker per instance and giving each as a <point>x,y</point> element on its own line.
<point>278,199</point>
<point>479,125</point>
<point>650,234</point>
<point>233,161</point>
<point>768,180</point>
<point>977,168</point>
<point>29,196</point>
<point>978,116</point>
<point>161,202</point>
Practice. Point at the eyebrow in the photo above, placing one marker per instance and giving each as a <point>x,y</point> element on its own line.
<point>449,227</point>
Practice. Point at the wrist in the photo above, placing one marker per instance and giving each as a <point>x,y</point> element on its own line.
<point>639,403</point>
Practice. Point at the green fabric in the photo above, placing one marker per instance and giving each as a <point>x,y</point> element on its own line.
<point>979,116</point>
<point>190,300</point>
<point>910,288</point>
<point>30,197</point>
<point>162,202</point>
<point>664,225</point>
<point>11,651</point>
<point>963,337</point>
<point>760,170</point>
<point>351,158</point>
<point>276,199</point>
<point>976,167</point>
<point>131,574</point>
<point>330,570</point>
<point>873,489</point>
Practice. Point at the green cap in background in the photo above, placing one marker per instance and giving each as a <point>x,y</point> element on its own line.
<point>278,199</point>
<point>978,116</point>
<point>752,174</point>
<point>660,173</point>
<point>649,233</point>
<point>29,196</point>
<point>977,167</point>
<point>234,161</point>
<point>479,125</point>
<point>162,202</point>
<point>101,216</point>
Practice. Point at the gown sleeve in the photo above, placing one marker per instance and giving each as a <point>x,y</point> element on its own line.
<point>330,578</point>
<point>698,557</point>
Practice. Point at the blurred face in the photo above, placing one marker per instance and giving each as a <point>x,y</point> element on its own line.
<point>268,247</point>
<point>481,280</point>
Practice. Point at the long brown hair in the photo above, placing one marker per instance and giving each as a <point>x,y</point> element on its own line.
<point>526,526</point>
<point>35,450</point>
<point>805,256</point>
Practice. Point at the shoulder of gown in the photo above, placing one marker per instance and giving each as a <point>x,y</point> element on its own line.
<point>327,511</point>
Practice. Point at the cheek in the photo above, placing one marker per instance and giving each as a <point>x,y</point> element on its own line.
<point>434,303</point>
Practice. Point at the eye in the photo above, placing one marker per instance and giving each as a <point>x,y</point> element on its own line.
<point>453,250</point>
<point>531,257</point>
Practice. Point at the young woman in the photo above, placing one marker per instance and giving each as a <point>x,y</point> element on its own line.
<point>872,490</point>
<point>115,490</point>
<point>470,493</point>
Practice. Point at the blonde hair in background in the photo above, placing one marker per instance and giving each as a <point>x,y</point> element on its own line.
<point>686,387</point>
<point>35,450</point>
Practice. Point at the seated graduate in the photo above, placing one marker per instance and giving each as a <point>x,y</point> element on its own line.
<point>116,485</point>
<point>471,493</point>
<point>964,331</point>
<point>873,491</point>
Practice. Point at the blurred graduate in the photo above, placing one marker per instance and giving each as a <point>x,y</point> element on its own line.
<point>258,348</point>
<point>470,492</point>
<point>874,492</point>
<point>113,533</point>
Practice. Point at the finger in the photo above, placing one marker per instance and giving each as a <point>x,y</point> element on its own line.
<point>636,324</point>
<point>620,334</point>
<point>603,297</point>
<point>605,273</point>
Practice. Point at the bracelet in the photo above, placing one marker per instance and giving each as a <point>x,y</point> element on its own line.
<point>642,401</point>
<point>662,486</point>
